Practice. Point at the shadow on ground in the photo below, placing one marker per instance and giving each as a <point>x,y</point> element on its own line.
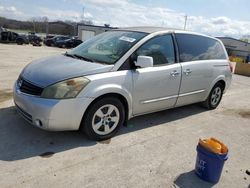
<point>190,179</point>
<point>166,116</point>
<point>19,140</point>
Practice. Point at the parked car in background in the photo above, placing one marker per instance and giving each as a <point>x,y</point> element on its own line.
<point>52,41</point>
<point>48,37</point>
<point>33,38</point>
<point>135,71</point>
<point>22,39</point>
<point>12,37</point>
<point>8,37</point>
<point>68,43</point>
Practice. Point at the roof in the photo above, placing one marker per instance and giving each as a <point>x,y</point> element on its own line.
<point>230,38</point>
<point>146,29</point>
<point>149,30</point>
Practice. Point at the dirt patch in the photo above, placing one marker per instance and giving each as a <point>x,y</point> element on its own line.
<point>105,141</point>
<point>244,113</point>
<point>5,95</point>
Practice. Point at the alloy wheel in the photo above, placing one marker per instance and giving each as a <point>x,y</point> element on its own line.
<point>105,119</point>
<point>216,95</point>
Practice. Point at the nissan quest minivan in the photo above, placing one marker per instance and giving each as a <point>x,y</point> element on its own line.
<point>120,74</point>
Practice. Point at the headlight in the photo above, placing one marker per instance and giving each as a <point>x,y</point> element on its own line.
<point>65,89</point>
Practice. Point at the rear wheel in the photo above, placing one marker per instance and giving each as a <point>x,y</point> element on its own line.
<point>20,41</point>
<point>103,119</point>
<point>214,97</point>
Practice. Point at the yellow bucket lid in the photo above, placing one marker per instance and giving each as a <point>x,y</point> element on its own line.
<point>214,145</point>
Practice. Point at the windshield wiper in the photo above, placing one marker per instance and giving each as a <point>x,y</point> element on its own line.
<point>83,58</point>
<point>69,55</point>
<point>78,57</point>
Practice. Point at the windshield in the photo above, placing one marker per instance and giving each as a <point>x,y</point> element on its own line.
<point>108,47</point>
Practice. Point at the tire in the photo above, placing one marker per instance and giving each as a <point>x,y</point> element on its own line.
<point>103,119</point>
<point>63,46</point>
<point>214,97</point>
<point>19,41</point>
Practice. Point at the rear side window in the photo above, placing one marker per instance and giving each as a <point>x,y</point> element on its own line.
<point>195,48</point>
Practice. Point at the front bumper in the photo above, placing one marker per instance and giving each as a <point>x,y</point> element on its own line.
<point>51,114</point>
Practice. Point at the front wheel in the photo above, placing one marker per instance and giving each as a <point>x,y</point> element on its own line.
<point>103,119</point>
<point>214,97</point>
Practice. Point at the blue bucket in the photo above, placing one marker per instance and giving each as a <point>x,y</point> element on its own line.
<point>209,165</point>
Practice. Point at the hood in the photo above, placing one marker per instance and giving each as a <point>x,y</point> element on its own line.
<point>47,71</point>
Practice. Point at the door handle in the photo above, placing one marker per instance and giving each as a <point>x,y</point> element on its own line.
<point>174,73</point>
<point>187,71</point>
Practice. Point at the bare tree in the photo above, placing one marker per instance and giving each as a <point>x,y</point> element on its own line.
<point>244,39</point>
<point>33,20</point>
<point>45,20</point>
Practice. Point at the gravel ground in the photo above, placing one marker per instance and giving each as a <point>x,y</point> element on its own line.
<point>156,150</point>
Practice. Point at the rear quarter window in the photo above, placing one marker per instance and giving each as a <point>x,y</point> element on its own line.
<point>195,48</point>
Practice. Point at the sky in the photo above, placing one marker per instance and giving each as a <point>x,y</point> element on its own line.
<point>212,17</point>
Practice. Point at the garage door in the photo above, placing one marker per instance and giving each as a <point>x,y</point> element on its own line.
<point>87,34</point>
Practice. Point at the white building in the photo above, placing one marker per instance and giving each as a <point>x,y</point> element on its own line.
<point>236,47</point>
<point>88,31</point>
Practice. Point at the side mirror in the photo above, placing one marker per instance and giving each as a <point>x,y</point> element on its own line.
<point>144,61</point>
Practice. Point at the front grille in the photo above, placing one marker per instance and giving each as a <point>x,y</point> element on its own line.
<point>26,115</point>
<point>29,88</point>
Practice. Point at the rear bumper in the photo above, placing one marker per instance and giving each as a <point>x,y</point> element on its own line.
<point>51,114</point>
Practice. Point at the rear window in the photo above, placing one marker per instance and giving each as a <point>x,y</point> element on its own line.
<point>195,48</point>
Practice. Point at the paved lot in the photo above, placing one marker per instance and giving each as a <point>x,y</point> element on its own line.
<point>156,150</point>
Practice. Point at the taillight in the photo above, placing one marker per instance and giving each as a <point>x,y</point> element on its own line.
<point>231,66</point>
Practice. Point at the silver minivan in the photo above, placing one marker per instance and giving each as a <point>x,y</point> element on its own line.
<point>120,74</point>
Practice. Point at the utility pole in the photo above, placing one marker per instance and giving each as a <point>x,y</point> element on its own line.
<point>185,24</point>
<point>46,22</point>
<point>83,16</point>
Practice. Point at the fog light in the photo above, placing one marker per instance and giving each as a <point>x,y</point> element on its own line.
<point>38,123</point>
